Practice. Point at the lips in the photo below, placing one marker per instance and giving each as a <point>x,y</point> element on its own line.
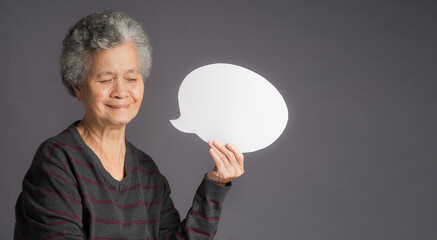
<point>119,106</point>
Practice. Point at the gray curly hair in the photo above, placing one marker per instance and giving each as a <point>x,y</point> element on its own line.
<point>100,31</point>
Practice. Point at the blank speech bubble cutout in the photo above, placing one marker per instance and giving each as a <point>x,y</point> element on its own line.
<point>232,104</point>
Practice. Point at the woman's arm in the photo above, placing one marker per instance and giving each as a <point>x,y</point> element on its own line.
<point>204,215</point>
<point>49,206</point>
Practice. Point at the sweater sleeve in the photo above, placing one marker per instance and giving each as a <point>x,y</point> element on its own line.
<point>49,206</point>
<point>201,222</point>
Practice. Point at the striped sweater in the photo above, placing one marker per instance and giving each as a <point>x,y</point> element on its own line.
<point>68,194</point>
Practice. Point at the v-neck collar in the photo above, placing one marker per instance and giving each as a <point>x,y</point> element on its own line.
<point>114,183</point>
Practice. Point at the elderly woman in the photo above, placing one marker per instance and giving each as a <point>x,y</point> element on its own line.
<point>89,182</point>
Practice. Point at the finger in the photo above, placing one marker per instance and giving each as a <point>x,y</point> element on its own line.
<point>234,157</point>
<point>217,159</point>
<point>237,153</point>
<point>229,155</point>
<point>226,165</point>
<point>218,151</point>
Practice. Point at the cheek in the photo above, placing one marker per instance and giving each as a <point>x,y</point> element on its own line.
<point>137,93</point>
<point>96,97</point>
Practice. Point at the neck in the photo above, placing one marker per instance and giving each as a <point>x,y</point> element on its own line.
<point>102,134</point>
<point>107,142</point>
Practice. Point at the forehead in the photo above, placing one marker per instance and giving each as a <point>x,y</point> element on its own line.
<point>120,59</point>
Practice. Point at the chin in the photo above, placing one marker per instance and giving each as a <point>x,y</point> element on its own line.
<point>120,121</point>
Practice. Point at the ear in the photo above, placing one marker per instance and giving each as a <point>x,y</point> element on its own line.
<point>78,92</point>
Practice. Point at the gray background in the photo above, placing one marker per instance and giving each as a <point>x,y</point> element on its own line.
<point>358,157</point>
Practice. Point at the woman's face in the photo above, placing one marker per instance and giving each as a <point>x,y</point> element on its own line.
<point>113,88</point>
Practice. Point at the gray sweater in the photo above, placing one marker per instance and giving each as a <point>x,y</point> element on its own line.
<point>68,194</point>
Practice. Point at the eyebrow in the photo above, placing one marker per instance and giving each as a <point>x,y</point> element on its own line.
<point>105,73</point>
<point>132,70</point>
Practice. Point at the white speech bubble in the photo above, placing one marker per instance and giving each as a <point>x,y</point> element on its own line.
<point>232,104</point>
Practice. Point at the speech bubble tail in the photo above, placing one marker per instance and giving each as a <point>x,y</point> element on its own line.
<point>177,124</point>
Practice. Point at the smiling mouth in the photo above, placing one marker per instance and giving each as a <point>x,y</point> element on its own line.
<point>124,106</point>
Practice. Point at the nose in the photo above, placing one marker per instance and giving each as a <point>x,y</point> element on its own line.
<point>120,89</point>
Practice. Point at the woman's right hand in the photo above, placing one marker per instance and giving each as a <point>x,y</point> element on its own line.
<point>229,162</point>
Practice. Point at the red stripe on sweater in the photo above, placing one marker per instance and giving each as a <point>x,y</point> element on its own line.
<point>164,180</point>
<point>141,203</point>
<point>207,200</point>
<point>56,146</point>
<point>59,177</point>
<point>91,181</point>
<point>66,131</point>
<point>110,202</point>
<point>200,233</point>
<point>131,223</point>
<point>114,190</point>
<point>167,209</point>
<point>145,159</point>
<point>209,219</point>
<point>52,192</point>
<point>81,163</point>
<point>56,235</point>
<point>144,171</point>
<point>57,223</point>
<point>179,236</point>
<point>61,213</point>
<point>142,186</point>
<point>65,166</point>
